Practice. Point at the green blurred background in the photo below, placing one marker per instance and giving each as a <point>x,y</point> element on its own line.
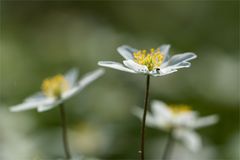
<point>42,38</point>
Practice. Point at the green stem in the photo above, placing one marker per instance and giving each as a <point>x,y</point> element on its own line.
<point>64,131</point>
<point>169,146</point>
<point>141,152</point>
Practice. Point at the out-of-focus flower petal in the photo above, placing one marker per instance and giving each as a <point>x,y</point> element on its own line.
<point>160,109</point>
<point>85,81</point>
<point>183,119</point>
<point>152,120</point>
<point>90,77</point>
<point>71,76</point>
<point>31,104</point>
<point>24,106</point>
<point>115,65</point>
<point>71,92</point>
<point>35,97</point>
<point>205,121</point>
<point>46,107</point>
<point>190,138</point>
<point>126,51</point>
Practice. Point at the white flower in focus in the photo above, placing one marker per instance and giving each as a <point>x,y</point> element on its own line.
<point>180,120</point>
<point>57,89</point>
<point>155,62</point>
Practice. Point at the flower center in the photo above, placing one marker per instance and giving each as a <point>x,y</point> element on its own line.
<point>180,109</point>
<point>55,86</point>
<point>152,59</point>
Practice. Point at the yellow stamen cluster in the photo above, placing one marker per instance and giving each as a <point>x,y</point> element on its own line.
<point>179,109</point>
<point>152,59</point>
<point>55,86</point>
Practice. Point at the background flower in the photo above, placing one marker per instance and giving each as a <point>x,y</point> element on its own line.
<point>180,120</point>
<point>56,90</point>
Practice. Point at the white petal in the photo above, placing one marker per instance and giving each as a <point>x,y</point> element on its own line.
<point>115,65</point>
<point>35,97</point>
<point>160,109</point>
<point>180,58</point>
<point>205,121</point>
<point>31,104</point>
<point>150,121</point>
<point>177,66</point>
<point>43,108</point>
<point>174,68</point>
<point>190,138</point>
<point>167,71</point>
<point>164,49</point>
<point>163,72</point>
<point>23,106</point>
<point>71,76</point>
<point>185,119</point>
<point>90,77</point>
<point>135,66</point>
<point>86,80</point>
<point>176,62</point>
<point>126,51</point>
<point>71,92</point>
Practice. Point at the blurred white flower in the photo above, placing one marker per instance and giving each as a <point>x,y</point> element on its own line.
<point>155,62</point>
<point>57,89</point>
<point>178,119</point>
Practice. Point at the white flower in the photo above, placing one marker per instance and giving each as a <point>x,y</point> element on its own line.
<point>57,89</point>
<point>179,119</point>
<point>155,62</point>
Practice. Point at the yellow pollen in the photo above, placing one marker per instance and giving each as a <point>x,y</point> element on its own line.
<point>179,109</point>
<point>55,86</point>
<point>152,59</point>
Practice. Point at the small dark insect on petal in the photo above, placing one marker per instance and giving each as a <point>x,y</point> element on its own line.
<point>158,70</point>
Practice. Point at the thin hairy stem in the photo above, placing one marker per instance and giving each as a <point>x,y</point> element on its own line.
<point>141,152</point>
<point>64,131</point>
